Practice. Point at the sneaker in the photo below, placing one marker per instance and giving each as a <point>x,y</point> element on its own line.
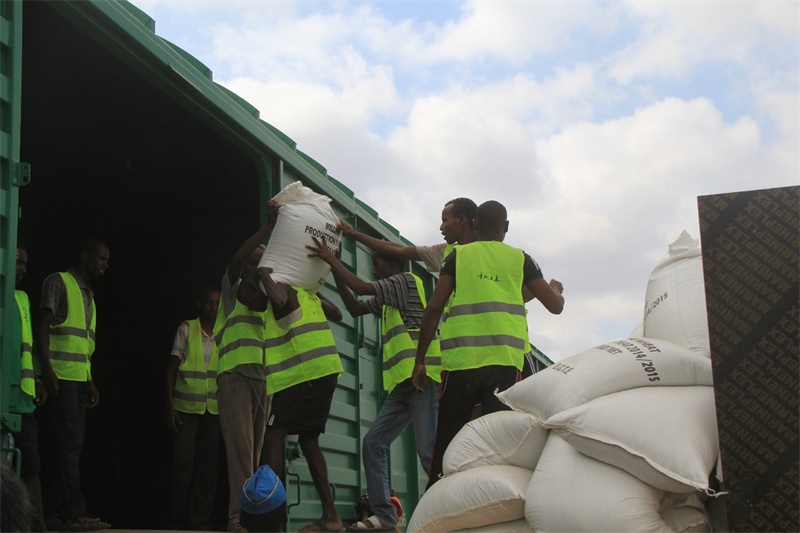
<point>236,527</point>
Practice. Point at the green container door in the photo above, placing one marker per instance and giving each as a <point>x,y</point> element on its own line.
<point>13,174</point>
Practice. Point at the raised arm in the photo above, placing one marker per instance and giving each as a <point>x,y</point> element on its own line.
<point>350,280</point>
<point>345,280</point>
<point>549,294</point>
<point>278,293</point>
<point>393,249</point>
<point>234,270</point>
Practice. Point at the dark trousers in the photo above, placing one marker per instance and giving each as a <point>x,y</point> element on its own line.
<point>459,392</point>
<point>63,423</point>
<point>195,463</point>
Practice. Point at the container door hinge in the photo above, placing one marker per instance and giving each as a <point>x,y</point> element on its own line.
<point>21,174</point>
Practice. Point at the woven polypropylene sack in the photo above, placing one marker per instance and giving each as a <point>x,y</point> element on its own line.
<point>572,492</point>
<point>612,367</point>
<point>666,436</point>
<point>675,299</point>
<point>303,215</point>
<point>470,499</point>
<point>499,438</point>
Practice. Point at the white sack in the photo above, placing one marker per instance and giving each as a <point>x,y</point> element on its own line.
<point>675,299</point>
<point>471,499</point>
<point>612,367</point>
<point>685,513</point>
<point>516,526</point>
<point>665,436</point>
<point>572,492</point>
<point>499,438</point>
<point>303,214</point>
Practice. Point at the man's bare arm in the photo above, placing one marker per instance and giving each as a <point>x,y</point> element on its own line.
<point>390,248</point>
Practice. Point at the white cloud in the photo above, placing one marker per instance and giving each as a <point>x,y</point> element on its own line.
<point>596,124</point>
<point>677,37</point>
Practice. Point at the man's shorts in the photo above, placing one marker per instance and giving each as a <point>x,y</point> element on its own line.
<point>303,409</point>
<point>27,441</point>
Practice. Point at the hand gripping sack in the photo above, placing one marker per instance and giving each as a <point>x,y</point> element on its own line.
<point>303,214</point>
<point>262,493</point>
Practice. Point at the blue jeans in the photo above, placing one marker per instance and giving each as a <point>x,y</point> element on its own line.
<point>403,405</point>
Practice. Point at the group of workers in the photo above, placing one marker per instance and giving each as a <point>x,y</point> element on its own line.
<point>260,363</point>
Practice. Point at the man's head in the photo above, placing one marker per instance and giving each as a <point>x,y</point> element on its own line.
<point>491,221</point>
<point>94,258</point>
<point>384,266</point>
<point>208,302</point>
<point>22,262</point>
<point>251,265</point>
<point>457,217</point>
<point>250,294</point>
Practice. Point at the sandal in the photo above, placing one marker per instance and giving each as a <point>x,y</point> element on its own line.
<point>372,523</point>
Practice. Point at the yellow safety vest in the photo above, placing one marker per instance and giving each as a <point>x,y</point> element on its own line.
<point>196,385</point>
<point>304,351</point>
<point>486,322</point>
<point>239,337</point>
<point>400,347</point>
<point>28,379</point>
<point>72,341</point>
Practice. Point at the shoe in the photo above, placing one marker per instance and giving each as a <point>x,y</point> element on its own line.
<point>85,522</point>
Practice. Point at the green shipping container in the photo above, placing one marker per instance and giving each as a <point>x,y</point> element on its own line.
<point>127,138</point>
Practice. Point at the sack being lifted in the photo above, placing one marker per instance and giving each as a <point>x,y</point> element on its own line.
<point>303,214</point>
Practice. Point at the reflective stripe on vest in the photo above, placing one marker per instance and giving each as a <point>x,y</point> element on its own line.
<point>196,386</point>
<point>239,337</point>
<point>304,351</point>
<point>72,341</point>
<point>486,323</point>
<point>28,379</point>
<point>400,347</point>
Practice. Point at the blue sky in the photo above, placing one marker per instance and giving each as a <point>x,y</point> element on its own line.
<point>597,124</point>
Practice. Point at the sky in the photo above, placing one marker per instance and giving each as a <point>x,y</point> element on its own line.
<point>597,124</point>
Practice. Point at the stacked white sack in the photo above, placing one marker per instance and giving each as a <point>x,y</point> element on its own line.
<point>502,438</point>
<point>665,437</point>
<point>303,214</point>
<point>612,367</point>
<point>473,498</point>
<point>572,492</point>
<point>486,468</point>
<point>675,300</point>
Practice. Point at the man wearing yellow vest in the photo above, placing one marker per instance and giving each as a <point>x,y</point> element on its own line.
<point>303,368</point>
<point>27,393</point>
<point>399,301</point>
<point>241,375</point>
<point>65,340</point>
<point>485,334</point>
<point>192,415</point>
